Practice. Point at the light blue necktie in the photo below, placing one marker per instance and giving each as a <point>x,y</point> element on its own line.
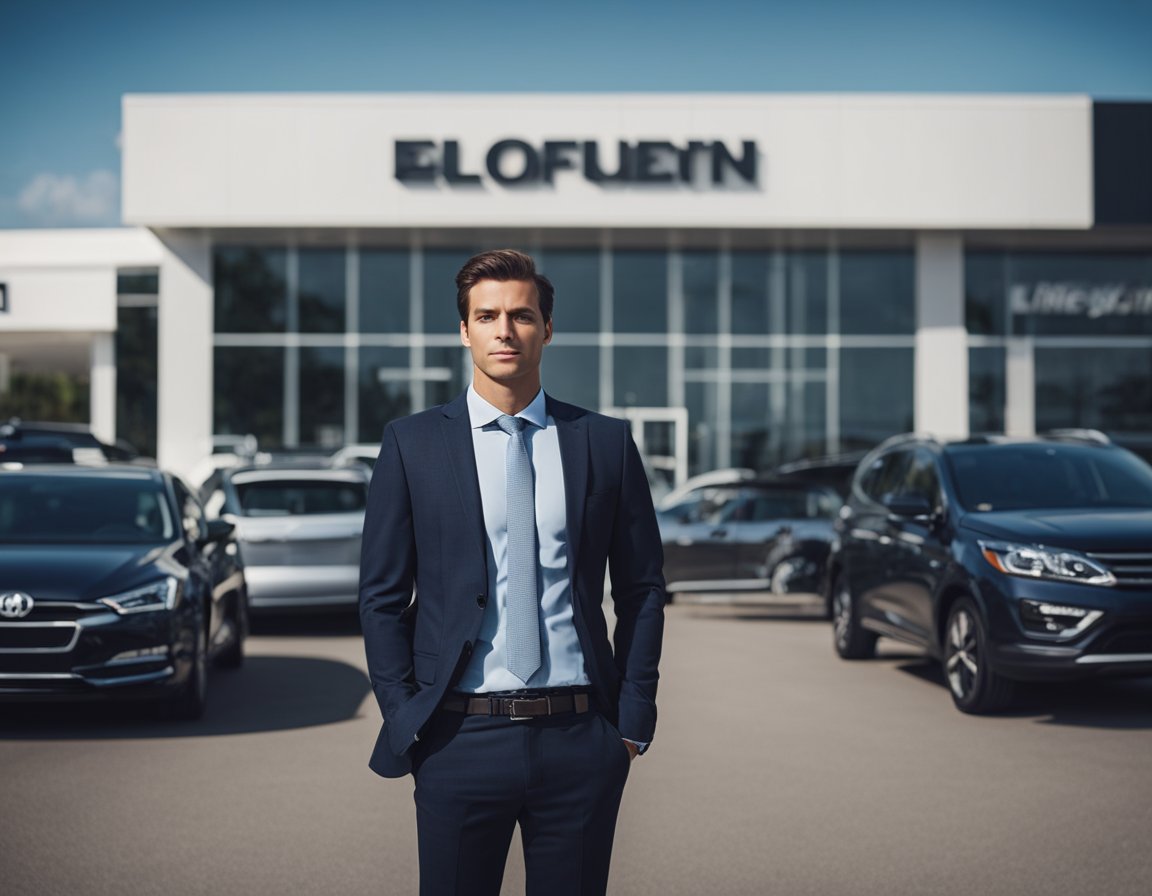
<point>523,600</point>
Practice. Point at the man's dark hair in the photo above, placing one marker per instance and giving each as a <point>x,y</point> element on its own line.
<point>502,265</point>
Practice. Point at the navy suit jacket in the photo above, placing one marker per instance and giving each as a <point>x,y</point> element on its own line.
<point>424,533</point>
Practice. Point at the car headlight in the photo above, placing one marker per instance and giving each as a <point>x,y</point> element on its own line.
<point>160,595</point>
<point>1039,562</point>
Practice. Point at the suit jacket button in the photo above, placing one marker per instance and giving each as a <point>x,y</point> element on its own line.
<point>481,601</point>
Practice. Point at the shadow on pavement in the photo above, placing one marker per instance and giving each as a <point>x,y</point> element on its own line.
<point>270,693</point>
<point>1123,704</point>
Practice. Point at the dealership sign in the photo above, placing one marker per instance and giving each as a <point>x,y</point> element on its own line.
<point>515,162</point>
<point>1072,299</point>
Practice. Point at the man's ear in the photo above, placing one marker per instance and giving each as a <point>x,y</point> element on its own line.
<point>548,331</point>
<point>464,335</point>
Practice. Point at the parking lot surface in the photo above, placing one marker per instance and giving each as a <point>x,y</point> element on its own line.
<point>777,769</point>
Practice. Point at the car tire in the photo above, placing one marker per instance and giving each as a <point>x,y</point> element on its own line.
<point>852,641</point>
<point>190,702</point>
<point>976,688</point>
<point>232,656</point>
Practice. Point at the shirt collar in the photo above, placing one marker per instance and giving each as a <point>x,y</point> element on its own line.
<point>481,413</point>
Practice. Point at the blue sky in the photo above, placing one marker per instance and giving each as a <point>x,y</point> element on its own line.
<point>66,63</point>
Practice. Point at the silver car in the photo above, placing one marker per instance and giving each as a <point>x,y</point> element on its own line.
<point>299,532</point>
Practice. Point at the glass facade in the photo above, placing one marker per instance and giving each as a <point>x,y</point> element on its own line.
<point>1084,321</point>
<point>775,353</point>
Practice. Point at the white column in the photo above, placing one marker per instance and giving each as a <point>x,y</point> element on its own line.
<point>102,386</point>
<point>941,388</point>
<point>184,394</point>
<point>1019,388</point>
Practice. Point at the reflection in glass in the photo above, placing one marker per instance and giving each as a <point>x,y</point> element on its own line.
<point>876,395</point>
<point>750,312</point>
<point>575,275</point>
<point>701,274</point>
<point>984,293</point>
<point>385,392</point>
<point>384,291</point>
<point>448,372</point>
<point>877,293</point>
<point>986,389</point>
<point>322,397</point>
<point>321,290</point>
<point>641,378</point>
<point>249,393</point>
<point>250,287</point>
<point>1109,390</point>
<point>572,374</point>
<point>640,291</point>
<point>704,422</point>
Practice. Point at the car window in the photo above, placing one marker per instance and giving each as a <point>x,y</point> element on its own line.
<point>922,478</point>
<point>301,497</point>
<point>885,474</point>
<point>74,509</point>
<point>756,506</point>
<point>1014,477</point>
<point>191,513</point>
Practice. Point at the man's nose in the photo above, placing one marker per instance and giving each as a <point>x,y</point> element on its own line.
<point>504,326</point>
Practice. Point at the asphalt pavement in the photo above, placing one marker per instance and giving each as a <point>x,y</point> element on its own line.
<point>777,769</point>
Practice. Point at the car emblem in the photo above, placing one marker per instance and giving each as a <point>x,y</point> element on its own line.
<point>15,605</point>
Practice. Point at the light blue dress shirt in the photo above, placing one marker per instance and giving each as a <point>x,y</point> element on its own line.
<point>562,660</point>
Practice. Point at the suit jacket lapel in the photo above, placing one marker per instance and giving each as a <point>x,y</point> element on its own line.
<point>572,434</point>
<point>457,431</point>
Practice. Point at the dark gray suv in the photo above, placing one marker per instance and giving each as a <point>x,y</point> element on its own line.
<point>1006,559</point>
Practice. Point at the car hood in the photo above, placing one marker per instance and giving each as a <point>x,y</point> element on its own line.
<point>80,573</point>
<point>1085,530</point>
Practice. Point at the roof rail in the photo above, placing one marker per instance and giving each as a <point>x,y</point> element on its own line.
<point>1074,434</point>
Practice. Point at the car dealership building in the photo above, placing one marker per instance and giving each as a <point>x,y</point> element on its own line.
<point>751,277</point>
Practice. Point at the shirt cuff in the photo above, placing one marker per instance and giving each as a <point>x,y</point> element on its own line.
<point>641,748</point>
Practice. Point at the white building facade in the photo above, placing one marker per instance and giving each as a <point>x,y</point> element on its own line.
<point>753,278</point>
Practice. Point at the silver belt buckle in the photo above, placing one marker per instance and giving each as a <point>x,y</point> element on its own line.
<point>512,710</point>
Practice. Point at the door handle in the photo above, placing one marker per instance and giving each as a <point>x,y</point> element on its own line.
<point>719,533</point>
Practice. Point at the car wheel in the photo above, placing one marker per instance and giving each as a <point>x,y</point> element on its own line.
<point>232,656</point>
<point>975,687</point>
<point>190,702</point>
<point>852,641</point>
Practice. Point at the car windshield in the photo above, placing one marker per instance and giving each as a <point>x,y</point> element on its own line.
<point>83,509</point>
<point>301,497</point>
<point>1046,475</point>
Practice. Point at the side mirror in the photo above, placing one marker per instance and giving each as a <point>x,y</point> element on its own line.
<point>909,506</point>
<point>218,530</point>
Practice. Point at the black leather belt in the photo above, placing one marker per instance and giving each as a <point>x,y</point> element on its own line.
<point>528,706</point>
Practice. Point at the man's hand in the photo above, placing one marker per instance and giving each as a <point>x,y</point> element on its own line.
<point>633,750</point>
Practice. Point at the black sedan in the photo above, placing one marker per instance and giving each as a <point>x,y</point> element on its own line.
<point>749,535</point>
<point>114,585</point>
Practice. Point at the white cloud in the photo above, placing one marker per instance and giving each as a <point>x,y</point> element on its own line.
<point>62,199</point>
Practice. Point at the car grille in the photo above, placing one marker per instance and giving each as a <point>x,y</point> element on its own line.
<point>1130,568</point>
<point>23,637</point>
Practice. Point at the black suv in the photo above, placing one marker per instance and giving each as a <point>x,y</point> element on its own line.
<point>1006,559</point>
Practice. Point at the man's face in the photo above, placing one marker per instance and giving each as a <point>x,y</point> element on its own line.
<point>505,331</point>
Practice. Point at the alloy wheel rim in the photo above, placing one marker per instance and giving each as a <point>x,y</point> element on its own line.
<point>842,613</point>
<point>962,665</point>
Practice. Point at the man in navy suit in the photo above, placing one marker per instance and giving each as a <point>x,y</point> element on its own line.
<point>501,511</point>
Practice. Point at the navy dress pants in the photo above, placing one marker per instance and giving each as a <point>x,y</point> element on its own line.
<point>559,777</point>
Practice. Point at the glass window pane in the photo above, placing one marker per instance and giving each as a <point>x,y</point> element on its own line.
<point>1109,390</point>
<point>136,377</point>
<point>807,284</point>
<point>572,373</point>
<point>750,294</point>
<point>322,397</point>
<point>877,293</point>
<point>640,291</point>
<point>137,283</point>
<point>321,291</point>
<point>384,390</point>
<point>440,269</point>
<point>575,274</point>
<point>703,403</point>
<point>641,378</point>
<point>986,393</point>
<point>984,293</point>
<point>876,395</point>
<point>251,289</point>
<point>249,394</point>
<point>449,371</point>
<point>701,357</point>
<point>385,291</point>
<point>751,425</point>
<point>701,274</point>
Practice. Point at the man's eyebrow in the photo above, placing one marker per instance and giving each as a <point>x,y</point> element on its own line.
<point>523,309</point>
